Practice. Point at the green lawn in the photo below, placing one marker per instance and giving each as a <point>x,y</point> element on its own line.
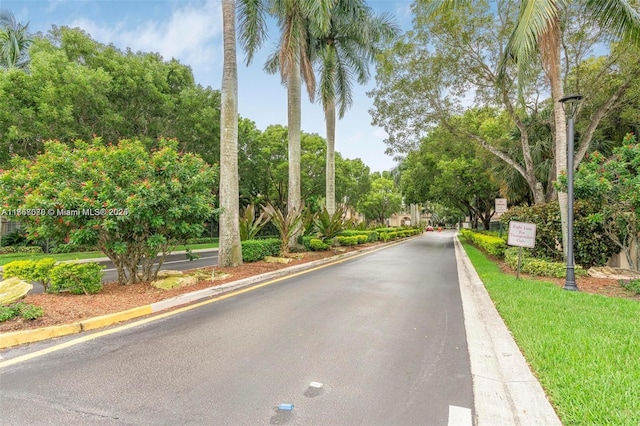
<point>584,348</point>
<point>6,258</point>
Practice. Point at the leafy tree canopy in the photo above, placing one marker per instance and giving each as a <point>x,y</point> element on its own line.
<point>131,202</point>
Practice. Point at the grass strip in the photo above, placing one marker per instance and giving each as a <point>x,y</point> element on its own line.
<point>583,348</point>
<point>6,258</point>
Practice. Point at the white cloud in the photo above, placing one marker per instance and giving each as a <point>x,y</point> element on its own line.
<point>191,34</point>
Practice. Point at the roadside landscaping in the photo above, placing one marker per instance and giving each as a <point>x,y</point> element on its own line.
<point>61,257</point>
<point>582,347</point>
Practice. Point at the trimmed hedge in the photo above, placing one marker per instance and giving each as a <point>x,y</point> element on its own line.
<point>31,270</point>
<point>316,244</point>
<point>592,246</point>
<point>347,241</point>
<point>254,250</point>
<point>76,278</point>
<point>20,249</point>
<point>495,246</point>
<point>372,236</point>
<point>538,267</point>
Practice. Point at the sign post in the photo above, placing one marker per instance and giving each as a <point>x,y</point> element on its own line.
<point>521,234</point>
<point>501,207</point>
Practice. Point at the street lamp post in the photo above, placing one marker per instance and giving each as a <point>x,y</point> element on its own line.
<point>570,105</point>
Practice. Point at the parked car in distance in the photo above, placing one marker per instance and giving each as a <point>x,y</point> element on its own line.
<point>429,228</point>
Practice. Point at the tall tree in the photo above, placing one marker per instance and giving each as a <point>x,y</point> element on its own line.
<point>344,51</point>
<point>14,42</point>
<point>539,33</point>
<point>382,200</point>
<point>538,36</point>
<point>230,253</point>
<point>295,19</point>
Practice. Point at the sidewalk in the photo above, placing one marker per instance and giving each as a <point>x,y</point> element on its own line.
<point>505,392</point>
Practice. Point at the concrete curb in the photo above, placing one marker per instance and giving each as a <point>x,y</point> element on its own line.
<point>16,338</point>
<point>505,392</point>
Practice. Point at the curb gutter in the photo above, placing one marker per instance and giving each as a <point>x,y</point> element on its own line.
<point>505,391</point>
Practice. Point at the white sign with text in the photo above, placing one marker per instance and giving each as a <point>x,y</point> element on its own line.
<point>522,234</point>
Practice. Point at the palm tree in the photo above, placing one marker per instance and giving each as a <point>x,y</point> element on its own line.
<point>344,52</point>
<point>230,252</point>
<point>14,42</point>
<point>295,18</point>
<point>538,33</point>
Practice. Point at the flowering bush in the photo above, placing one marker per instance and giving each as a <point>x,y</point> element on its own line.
<point>131,203</point>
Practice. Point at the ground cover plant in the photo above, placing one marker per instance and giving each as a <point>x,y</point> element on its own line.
<point>582,347</point>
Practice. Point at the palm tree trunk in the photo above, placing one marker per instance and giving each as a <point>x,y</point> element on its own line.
<point>294,96</point>
<point>330,166</point>
<point>550,42</point>
<point>230,251</point>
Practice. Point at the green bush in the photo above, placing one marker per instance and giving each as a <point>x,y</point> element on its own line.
<point>76,278</point>
<point>22,269</point>
<point>538,267</point>
<point>495,246</point>
<point>371,235</point>
<point>592,246</point>
<point>31,270</point>
<point>347,241</point>
<point>631,285</point>
<point>316,244</point>
<point>20,249</point>
<point>202,240</point>
<point>8,312</point>
<point>71,248</point>
<point>29,311</point>
<point>26,310</point>
<point>16,237</point>
<point>254,250</point>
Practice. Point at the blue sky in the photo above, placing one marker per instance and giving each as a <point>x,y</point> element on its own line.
<point>191,31</point>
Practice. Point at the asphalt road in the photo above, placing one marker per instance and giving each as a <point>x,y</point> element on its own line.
<point>383,333</point>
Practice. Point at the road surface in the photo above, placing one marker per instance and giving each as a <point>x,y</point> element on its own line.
<point>383,333</point>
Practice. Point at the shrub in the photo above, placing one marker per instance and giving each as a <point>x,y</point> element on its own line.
<point>495,246</point>
<point>71,248</point>
<point>631,285</point>
<point>20,249</point>
<point>316,244</point>
<point>15,238</point>
<point>254,250</point>
<point>22,269</point>
<point>31,270</point>
<point>30,312</point>
<point>372,236</point>
<point>202,240</point>
<point>7,312</point>
<point>362,239</point>
<point>329,225</point>
<point>26,310</point>
<point>347,241</point>
<point>76,278</point>
<point>538,267</point>
<point>592,246</point>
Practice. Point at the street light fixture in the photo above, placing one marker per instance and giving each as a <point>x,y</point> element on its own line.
<point>570,105</point>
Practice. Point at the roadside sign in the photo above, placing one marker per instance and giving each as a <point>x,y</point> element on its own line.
<point>522,234</point>
<point>501,205</point>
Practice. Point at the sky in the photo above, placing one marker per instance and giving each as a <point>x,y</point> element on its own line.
<point>191,32</point>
